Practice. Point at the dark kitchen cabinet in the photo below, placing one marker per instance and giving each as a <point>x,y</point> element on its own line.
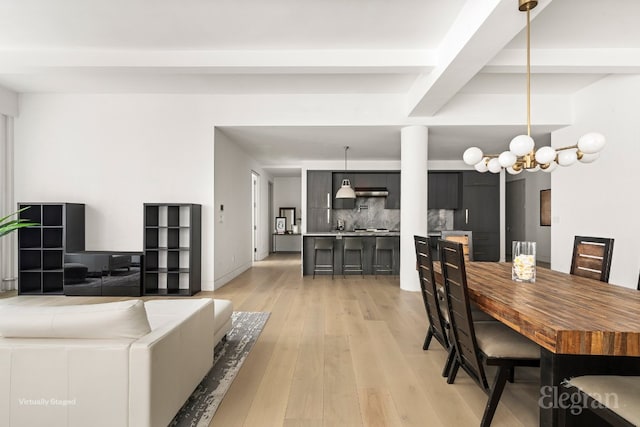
<point>393,186</point>
<point>480,212</point>
<point>319,220</point>
<point>319,198</point>
<point>337,183</point>
<point>443,190</point>
<point>319,189</point>
<point>369,179</point>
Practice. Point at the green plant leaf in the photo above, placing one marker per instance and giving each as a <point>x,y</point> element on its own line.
<point>7,226</point>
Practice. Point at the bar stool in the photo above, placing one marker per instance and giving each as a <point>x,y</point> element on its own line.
<point>322,244</point>
<point>383,244</point>
<point>353,244</point>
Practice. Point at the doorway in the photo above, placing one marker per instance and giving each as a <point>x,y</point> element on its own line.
<point>255,181</point>
<point>515,214</point>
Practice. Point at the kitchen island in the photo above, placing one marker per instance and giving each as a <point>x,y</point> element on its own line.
<point>369,241</point>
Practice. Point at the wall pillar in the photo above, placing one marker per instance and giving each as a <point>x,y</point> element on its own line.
<point>8,243</point>
<point>413,200</point>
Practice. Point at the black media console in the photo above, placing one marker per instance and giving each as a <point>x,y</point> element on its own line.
<point>103,273</point>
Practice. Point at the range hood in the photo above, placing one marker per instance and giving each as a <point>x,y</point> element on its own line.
<point>371,192</point>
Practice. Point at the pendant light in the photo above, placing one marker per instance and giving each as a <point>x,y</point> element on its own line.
<point>522,154</point>
<point>345,191</point>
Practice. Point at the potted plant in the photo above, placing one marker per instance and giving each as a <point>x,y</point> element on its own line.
<point>7,225</point>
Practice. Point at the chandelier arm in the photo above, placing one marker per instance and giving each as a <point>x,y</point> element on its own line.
<point>568,147</point>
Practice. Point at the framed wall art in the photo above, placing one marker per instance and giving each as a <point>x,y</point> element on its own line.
<point>281,224</point>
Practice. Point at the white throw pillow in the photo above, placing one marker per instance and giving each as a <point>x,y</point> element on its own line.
<point>123,319</point>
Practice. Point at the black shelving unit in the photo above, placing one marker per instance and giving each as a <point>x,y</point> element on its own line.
<point>172,248</point>
<point>41,248</point>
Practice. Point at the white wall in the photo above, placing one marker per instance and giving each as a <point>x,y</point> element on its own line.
<point>287,193</point>
<point>602,198</point>
<point>534,232</point>
<point>8,102</point>
<point>115,153</point>
<point>232,228</point>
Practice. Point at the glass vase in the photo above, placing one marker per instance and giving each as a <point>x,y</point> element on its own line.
<point>523,268</point>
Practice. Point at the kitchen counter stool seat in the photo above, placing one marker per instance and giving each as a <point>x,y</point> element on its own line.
<point>322,244</point>
<point>352,244</point>
<point>383,244</point>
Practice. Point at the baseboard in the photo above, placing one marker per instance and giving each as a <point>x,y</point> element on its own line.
<point>221,281</point>
<point>207,285</point>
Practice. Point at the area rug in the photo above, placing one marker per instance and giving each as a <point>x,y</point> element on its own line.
<point>229,356</point>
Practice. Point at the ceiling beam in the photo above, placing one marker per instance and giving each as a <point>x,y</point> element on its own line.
<point>481,30</point>
<point>221,62</point>
<point>567,61</point>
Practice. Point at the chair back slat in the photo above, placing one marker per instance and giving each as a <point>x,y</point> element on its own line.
<point>428,289</point>
<point>457,297</point>
<point>591,249</point>
<point>592,257</point>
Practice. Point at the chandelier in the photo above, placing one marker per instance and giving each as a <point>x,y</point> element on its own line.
<point>522,153</point>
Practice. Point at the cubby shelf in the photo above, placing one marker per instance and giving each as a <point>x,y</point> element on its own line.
<point>41,248</point>
<point>172,249</point>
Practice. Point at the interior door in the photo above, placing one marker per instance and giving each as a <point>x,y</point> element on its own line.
<point>515,214</point>
<point>254,215</point>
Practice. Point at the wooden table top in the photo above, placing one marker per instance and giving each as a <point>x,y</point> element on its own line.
<point>561,312</point>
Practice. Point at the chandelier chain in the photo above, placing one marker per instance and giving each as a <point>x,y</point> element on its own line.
<point>528,72</point>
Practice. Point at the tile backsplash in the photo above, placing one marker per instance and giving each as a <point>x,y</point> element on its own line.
<point>369,212</point>
<point>440,219</point>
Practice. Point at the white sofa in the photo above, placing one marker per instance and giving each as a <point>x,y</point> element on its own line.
<point>222,319</point>
<point>102,364</point>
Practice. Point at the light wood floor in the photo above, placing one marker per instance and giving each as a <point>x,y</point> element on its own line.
<point>344,352</point>
<point>348,352</point>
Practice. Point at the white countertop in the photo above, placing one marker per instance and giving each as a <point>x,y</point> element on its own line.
<point>339,234</point>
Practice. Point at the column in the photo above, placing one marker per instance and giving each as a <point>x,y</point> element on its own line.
<point>413,202</point>
<point>7,205</point>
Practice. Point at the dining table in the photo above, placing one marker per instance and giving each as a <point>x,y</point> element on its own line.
<point>583,326</point>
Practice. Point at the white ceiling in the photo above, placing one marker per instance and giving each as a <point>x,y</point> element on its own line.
<point>428,51</point>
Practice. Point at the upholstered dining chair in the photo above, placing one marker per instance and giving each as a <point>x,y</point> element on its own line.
<point>437,322</point>
<point>479,343</point>
<point>614,399</point>
<point>592,257</point>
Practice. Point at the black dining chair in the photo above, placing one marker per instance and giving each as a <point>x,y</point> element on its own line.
<point>461,236</point>
<point>479,343</point>
<point>614,399</point>
<point>592,257</point>
<point>437,322</point>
